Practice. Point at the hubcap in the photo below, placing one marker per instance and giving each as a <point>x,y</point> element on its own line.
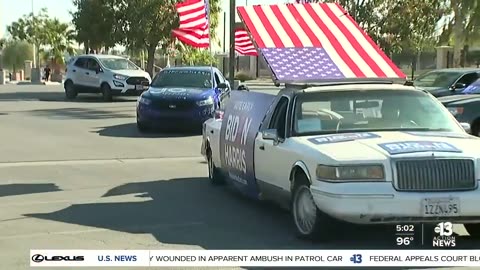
<point>304,210</point>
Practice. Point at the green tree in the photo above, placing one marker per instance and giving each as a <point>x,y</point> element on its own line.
<point>198,57</point>
<point>59,36</point>
<point>148,24</point>
<point>30,28</point>
<point>414,24</point>
<point>96,23</point>
<point>15,53</point>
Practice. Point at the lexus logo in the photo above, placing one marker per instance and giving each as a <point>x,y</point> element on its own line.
<point>38,258</point>
<point>172,106</point>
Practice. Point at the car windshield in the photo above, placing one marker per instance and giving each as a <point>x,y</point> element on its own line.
<point>473,88</point>
<point>118,64</point>
<point>374,110</point>
<point>183,78</point>
<point>437,79</point>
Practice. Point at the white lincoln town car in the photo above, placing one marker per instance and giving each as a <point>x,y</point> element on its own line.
<point>361,153</point>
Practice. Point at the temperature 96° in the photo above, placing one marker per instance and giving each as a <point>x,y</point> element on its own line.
<point>404,240</point>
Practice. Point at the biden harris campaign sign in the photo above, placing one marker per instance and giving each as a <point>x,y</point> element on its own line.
<point>243,116</point>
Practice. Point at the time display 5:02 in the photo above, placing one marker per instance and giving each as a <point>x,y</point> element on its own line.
<point>405,228</point>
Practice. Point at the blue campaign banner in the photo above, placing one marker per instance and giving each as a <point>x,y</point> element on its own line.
<point>439,134</point>
<point>335,138</point>
<point>405,147</point>
<point>243,116</point>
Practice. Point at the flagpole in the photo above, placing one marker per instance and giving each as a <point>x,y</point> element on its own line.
<point>212,77</point>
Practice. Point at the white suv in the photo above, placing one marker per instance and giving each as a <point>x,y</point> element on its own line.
<point>109,75</point>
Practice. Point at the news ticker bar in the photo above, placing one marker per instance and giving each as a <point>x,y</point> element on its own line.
<point>256,258</point>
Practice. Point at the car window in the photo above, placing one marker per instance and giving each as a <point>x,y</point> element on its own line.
<point>183,78</point>
<point>81,63</point>
<point>279,116</point>
<point>473,88</point>
<point>118,64</point>
<point>374,110</point>
<point>92,64</point>
<point>217,78</point>
<point>443,79</point>
<point>469,78</point>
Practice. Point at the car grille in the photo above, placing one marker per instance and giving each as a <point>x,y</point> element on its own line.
<point>179,105</point>
<point>436,175</point>
<point>137,81</point>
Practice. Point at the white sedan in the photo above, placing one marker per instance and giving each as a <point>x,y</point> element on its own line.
<point>362,153</point>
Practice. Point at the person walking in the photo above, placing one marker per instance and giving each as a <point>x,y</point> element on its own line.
<point>47,73</point>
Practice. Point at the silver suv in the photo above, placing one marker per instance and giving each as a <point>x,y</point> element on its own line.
<point>109,75</point>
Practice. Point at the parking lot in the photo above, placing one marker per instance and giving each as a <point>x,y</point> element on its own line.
<point>78,175</point>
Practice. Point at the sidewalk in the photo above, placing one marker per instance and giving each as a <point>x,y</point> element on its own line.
<point>30,83</point>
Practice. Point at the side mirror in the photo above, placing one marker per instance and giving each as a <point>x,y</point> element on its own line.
<point>458,86</point>
<point>99,70</point>
<point>270,134</point>
<point>222,86</point>
<point>243,88</point>
<point>466,127</point>
<point>409,83</point>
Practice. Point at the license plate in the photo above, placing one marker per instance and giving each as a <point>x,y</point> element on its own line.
<point>441,207</point>
<point>138,87</point>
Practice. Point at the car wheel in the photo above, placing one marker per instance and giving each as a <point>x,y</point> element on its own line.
<point>310,222</point>
<point>106,92</point>
<point>214,174</point>
<point>70,91</point>
<point>142,127</point>
<point>473,230</point>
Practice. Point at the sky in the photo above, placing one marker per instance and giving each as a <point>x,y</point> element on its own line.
<point>12,10</point>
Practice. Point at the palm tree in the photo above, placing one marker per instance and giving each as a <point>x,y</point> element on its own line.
<point>465,27</point>
<point>60,38</point>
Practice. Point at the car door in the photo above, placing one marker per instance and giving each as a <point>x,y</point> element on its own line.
<point>272,160</point>
<point>222,93</point>
<point>92,74</point>
<point>78,72</point>
<point>466,79</point>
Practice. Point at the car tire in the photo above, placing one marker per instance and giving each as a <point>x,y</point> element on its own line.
<point>473,229</point>
<point>310,223</point>
<point>106,92</point>
<point>70,90</point>
<point>142,127</point>
<point>214,174</point>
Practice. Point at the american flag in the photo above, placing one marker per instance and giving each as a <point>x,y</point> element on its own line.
<point>193,29</point>
<point>243,43</point>
<point>320,40</point>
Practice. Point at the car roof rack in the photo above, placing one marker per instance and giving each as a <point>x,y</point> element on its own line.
<point>307,84</point>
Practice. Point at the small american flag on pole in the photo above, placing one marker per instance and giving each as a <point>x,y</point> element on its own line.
<point>243,43</point>
<point>193,29</point>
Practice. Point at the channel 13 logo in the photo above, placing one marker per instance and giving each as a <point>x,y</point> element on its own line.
<point>444,235</point>
<point>38,258</point>
<point>356,258</point>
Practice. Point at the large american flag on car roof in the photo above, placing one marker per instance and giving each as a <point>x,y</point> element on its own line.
<point>315,41</point>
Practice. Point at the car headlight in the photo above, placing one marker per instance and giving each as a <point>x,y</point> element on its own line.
<point>145,101</point>
<point>206,102</point>
<point>351,173</point>
<point>455,110</point>
<point>119,77</point>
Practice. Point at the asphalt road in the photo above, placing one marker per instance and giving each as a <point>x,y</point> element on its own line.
<point>78,175</point>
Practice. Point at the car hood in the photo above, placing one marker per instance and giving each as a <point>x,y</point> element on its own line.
<point>380,146</point>
<point>131,73</point>
<point>459,99</point>
<point>172,93</point>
